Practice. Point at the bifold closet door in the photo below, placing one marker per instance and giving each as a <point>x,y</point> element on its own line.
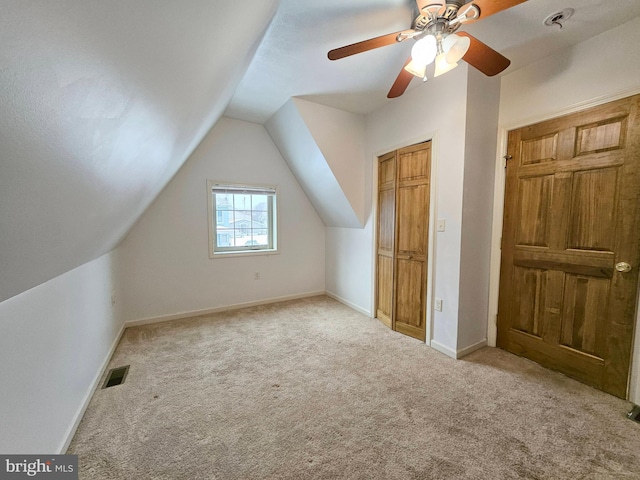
<point>403,219</point>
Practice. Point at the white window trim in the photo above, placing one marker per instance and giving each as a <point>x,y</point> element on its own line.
<point>240,253</point>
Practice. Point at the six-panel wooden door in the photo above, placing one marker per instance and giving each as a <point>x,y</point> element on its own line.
<point>571,227</point>
<point>403,235</point>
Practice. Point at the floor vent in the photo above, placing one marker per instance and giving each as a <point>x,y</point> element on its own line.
<point>634,414</point>
<point>116,376</point>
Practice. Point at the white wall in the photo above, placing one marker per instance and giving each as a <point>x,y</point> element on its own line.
<point>592,70</point>
<point>54,341</point>
<point>165,258</point>
<point>104,101</point>
<point>433,110</point>
<point>348,266</point>
<point>483,96</point>
<point>340,137</point>
<point>600,69</point>
<point>291,134</point>
<point>436,109</point>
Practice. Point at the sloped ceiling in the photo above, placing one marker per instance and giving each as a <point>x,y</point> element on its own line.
<point>292,60</point>
<point>331,177</point>
<point>340,137</point>
<point>102,102</point>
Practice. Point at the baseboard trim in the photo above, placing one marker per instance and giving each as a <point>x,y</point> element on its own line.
<point>89,395</point>
<point>471,348</point>
<point>165,318</point>
<point>442,349</point>
<point>457,354</point>
<point>225,308</point>
<point>349,304</point>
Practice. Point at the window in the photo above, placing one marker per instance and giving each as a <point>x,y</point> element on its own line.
<point>242,218</point>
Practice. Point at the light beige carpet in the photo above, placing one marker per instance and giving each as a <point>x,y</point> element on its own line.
<point>312,389</point>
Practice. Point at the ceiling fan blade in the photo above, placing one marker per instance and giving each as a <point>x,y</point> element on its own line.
<point>401,83</point>
<point>363,46</point>
<point>489,7</point>
<point>483,57</point>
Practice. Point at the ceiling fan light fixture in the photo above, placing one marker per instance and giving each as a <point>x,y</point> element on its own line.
<point>425,50</point>
<point>414,68</point>
<point>442,65</point>
<point>455,47</point>
<point>437,20</point>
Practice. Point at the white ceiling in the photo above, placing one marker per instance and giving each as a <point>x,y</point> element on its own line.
<point>292,61</point>
<point>102,102</point>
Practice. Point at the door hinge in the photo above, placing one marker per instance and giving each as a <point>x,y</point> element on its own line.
<point>506,159</point>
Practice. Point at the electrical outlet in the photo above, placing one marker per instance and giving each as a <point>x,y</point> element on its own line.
<point>441,224</point>
<point>256,276</point>
<point>438,304</point>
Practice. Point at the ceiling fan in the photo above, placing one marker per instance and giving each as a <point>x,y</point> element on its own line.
<point>434,30</point>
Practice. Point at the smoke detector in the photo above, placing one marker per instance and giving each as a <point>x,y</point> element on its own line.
<point>558,17</point>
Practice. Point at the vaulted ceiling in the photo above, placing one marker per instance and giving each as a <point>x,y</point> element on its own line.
<point>103,101</point>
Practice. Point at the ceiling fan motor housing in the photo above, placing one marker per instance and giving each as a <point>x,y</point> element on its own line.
<point>436,23</point>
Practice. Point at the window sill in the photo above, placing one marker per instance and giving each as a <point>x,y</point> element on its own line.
<point>248,253</point>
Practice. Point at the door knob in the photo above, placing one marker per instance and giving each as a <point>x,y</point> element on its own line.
<point>623,267</point>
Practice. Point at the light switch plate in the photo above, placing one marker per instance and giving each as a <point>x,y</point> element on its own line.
<point>438,304</point>
<point>441,225</point>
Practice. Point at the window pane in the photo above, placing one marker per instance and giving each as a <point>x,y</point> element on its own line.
<point>260,203</point>
<point>224,201</point>
<point>242,218</point>
<point>261,236</point>
<point>224,239</point>
<point>223,219</point>
<point>242,202</point>
<point>260,220</point>
<point>233,238</point>
<point>242,222</point>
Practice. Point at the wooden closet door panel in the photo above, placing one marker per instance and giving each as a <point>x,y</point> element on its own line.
<point>385,297</point>
<point>413,212</point>
<point>410,298</point>
<point>386,220</point>
<point>412,239</point>
<point>385,285</point>
<point>414,163</point>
